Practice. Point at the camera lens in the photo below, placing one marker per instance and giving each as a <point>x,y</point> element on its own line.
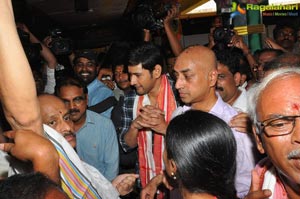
<point>219,34</point>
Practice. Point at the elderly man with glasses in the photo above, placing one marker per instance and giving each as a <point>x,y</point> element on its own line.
<point>275,110</point>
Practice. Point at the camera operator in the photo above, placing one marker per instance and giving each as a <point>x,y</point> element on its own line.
<point>173,40</point>
<point>217,22</point>
<point>152,17</point>
<point>222,37</point>
<point>50,61</point>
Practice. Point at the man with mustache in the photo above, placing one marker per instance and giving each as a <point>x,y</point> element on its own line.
<point>196,72</point>
<point>96,136</point>
<point>47,150</point>
<point>229,78</point>
<point>86,68</point>
<point>285,36</point>
<point>196,77</point>
<point>56,115</point>
<point>274,108</point>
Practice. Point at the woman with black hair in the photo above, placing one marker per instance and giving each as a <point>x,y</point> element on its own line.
<point>199,156</point>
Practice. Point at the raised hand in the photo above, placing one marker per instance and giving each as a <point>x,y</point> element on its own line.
<point>255,191</point>
<point>172,13</point>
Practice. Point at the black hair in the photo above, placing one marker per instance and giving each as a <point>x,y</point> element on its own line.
<point>70,81</point>
<point>148,55</point>
<point>245,69</point>
<point>88,54</point>
<point>230,57</point>
<point>204,150</point>
<point>119,53</point>
<point>27,186</point>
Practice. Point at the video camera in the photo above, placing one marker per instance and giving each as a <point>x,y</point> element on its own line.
<point>60,45</point>
<point>150,14</point>
<point>223,34</point>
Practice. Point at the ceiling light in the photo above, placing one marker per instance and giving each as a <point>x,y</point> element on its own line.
<point>209,6</point>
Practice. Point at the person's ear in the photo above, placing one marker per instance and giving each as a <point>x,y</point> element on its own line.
<point>157,71</point>
<point>258,139</point>
<point>213,77</point>
<point>173,166</point>
<point>237,78</point>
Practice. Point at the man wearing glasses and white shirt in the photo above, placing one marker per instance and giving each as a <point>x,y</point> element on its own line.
<point>274,108</point>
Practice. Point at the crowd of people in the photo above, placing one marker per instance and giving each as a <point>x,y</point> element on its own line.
<point>215,124</point>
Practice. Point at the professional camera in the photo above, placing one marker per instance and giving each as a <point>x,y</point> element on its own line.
<point>32,50</point>
<point>223,34</point>
<point>149,15</point>
<point>60,45</point>
<point>161,10</point>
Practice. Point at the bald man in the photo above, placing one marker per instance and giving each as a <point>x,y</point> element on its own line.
<point>56,115</point>
<point>196,76</point>
<point>196,72</point>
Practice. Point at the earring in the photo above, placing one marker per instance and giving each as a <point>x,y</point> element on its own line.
<point>173,176</point>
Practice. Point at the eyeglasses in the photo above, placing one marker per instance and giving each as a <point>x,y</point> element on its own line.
<point>279,126</point>
<point>284,34</point>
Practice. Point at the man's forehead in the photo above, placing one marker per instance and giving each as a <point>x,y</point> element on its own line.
<point>83,60</point>
<point>50,101</point>
<point>55,112</point>
<point>55,105</point>
<point>135,68</point>
<point>286,29</point>
<point>182,69</point>
<point>184,65</point>
<point>70,91</point>
<point>282,93</point>
<point>119,67</point>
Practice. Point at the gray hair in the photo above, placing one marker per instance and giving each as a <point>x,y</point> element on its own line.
<point>255,92</point>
